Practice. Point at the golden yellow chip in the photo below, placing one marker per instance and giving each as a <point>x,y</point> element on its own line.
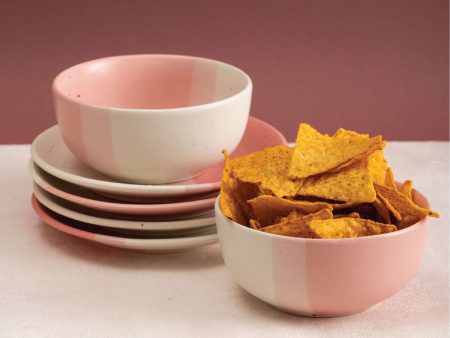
<point>229,206</point>
<point>352,184</point>
<point>389,181</point>
<point>409,211</point>
<point>254,224</point>
<point>268,168</point>
<point>351,215</point>
<point>348,228</point>
<point>406,189</point>
<point>345,205</point>
<point>390,207</point>
<point>378,167</point>
<point>267,208</point>
<point>296,225</point>
<point>383,212</point>
<point>316,153</point>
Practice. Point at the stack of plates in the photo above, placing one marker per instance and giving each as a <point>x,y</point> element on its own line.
<point>78,200</point>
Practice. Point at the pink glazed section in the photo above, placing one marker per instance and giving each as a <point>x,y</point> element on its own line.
<point>322,277</point>
<point>346,276</point>
<point>140,82</point>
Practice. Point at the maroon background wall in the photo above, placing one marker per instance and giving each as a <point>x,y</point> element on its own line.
<point>369,65</point>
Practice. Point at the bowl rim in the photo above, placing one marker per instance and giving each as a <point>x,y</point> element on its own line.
<point>57,92</point>
<point>333,241</point>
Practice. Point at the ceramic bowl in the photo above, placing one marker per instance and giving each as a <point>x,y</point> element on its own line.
<point>321,277</point>
<point>151,118</point>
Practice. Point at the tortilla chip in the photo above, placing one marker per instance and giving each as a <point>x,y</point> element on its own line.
<point>378,167</point>
<point>254,224</point>
<point>351,215</point>
<point>383,212</point>
<point>269,168</point>
<point>406,189</point>
<point>316,153</point>
<point>389,181</point>
<point>390,207</point>
<point>296,224</point>
<point>344,205</point>
<point>229,206</point>
<point>267,208</point>
<point>409,211</point>
<point>352,184</point>
<point>348,228</point>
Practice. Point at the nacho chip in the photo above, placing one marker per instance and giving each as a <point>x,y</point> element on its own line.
<point>383,212</point>
<point>409,211</point>
<point>378,167</point>
<point>254,224</point>
<point>229,206</point>
<point>267,208</point>
<point>348,228</point>
<point>389,181</point>
<point>316,153</point>
<point>269,168</point>
<point>344,205</point>
<point>351,215</point>
<point>352,184</point>
<point>390,207</point>
<point>406,189</point>
<point>296,224</point>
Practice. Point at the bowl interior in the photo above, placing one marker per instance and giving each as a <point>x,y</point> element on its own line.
<point>150,82</point>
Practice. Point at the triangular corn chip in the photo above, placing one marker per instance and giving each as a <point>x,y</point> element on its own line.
<point>378,167</point>
<point>383,212</point>
<point>409,211</point>
<point>406,189</point>
<point>229,206</point>
<point>351,215</point>
<point>352,184</point>
<point>296,225</point>
<point>316,153</point>
<point>234,195</point>
<point>267,208</point>
<point>254,224</point>
<point>389,181</point>
<point>269,168</point>
<point>348,227</point>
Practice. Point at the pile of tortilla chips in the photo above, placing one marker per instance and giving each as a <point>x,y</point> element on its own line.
<point>336,186</point>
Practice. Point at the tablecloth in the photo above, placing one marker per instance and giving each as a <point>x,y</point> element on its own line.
<point>55,285</point>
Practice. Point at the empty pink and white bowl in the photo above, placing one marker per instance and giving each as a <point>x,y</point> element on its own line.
<point>151,118</point>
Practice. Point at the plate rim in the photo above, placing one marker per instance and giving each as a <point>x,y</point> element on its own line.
<point>121,188</point>
<point>141,244</point>
<point>120,224</point>
<point>118,207</point>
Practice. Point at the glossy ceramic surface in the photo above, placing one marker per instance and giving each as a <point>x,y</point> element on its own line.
<point>321,277</point>
<point>86,198</point>
<point>138,223</point>
<point>153,245</point>
<point>50,153</point>
<point>151,118</point>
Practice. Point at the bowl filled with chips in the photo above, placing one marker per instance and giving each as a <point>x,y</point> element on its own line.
<point>322,228</point>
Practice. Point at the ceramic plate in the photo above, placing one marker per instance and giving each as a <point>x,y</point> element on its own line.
<point>156,245</point>
<point>84,197</point>
<point>51,154</point>
<point>108,220</point>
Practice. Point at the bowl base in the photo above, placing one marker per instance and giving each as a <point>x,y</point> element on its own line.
<point>317,314</point>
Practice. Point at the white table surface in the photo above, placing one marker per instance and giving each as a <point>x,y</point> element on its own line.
<point>55,285</point>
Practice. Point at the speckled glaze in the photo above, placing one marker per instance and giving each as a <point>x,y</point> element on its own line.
<point>50,153</point>
<point>322,277</point>
<point>151,118</point>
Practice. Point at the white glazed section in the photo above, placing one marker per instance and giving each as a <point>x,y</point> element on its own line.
<point>247,257</point>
